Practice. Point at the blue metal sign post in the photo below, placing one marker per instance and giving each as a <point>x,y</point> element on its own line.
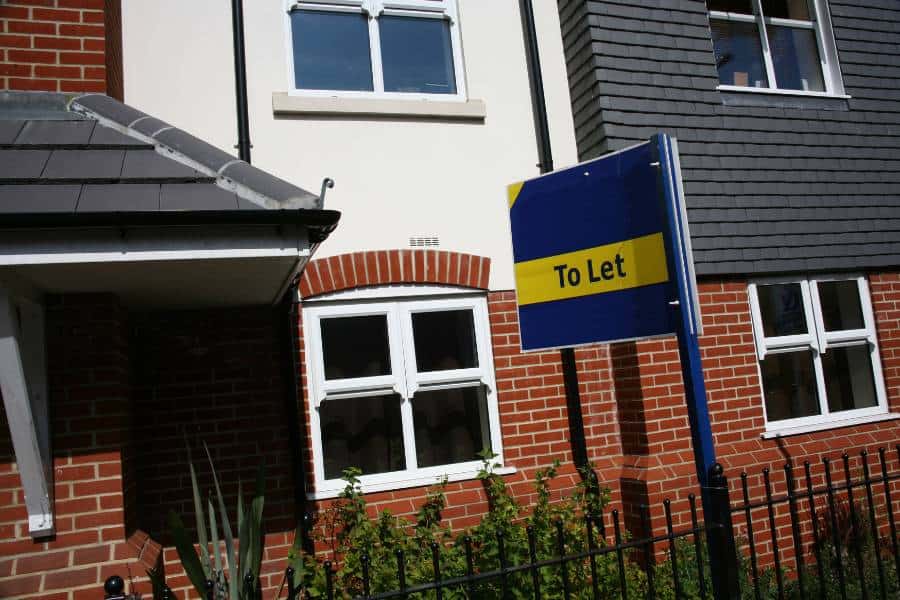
<point>602,254</point>
<point>685,315</point>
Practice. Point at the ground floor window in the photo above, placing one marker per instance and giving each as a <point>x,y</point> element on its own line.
<point>817,350</point>
<point>402,389</point>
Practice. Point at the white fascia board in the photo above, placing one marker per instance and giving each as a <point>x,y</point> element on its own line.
<point>26,409</point>
<point>110,244</point>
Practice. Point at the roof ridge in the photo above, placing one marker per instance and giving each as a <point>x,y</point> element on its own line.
<point>229,173</point>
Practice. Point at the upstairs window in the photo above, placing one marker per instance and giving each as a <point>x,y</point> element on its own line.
<point>775,45</point>
<point>376,48</point>
<point>817,350</point>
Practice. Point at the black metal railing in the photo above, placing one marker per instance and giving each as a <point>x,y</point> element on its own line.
<point>835,540</point>
<point>840,543</point>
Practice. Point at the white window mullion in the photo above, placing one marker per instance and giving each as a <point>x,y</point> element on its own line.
<point>764,43</point>
<point>375,11</point>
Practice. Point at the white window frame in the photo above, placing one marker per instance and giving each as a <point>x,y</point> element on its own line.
<point>405,381</point>
<point>828,56</point>
<point>817,341</point>
<point>425,9</point>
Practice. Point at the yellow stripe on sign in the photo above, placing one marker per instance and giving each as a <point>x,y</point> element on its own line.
<point>512,192</point>
<point>610,268</point>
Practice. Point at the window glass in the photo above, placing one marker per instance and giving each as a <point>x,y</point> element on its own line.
<point>738,53</point>
<point>786,9</point>
<point>848,378</point>
<point>362,432</point>
<point>451,425</point>
<point>795,57</point>
<point>416,55</point>
<point>789,384</point>
<point>331,51</point>
<point>444,340</point>
<point>841,308</point>
<point>736,6</point>
<point>355,347</point>
<point>782,309</point>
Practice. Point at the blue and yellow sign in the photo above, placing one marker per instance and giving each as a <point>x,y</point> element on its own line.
<point>590,253</point>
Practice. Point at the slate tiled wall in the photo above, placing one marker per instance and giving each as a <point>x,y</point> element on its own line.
<point>773,183</point>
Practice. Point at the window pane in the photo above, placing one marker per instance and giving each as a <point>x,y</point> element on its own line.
<point>355,347</point>
<point>841,308</point>
<point>789,383</point>
<point>848,378</point>
<point>796,58</point>
<point>451,425</point>
<point>786,9</point>
<point>735,6</point>
<point>362,432</point>
<point>444,340</point>
<point>782,309</point>
<point>738,54</point>
<point>417,55</point>
<point>331,51</point>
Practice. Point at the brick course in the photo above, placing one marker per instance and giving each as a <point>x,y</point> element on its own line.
<point>120,382</point>
<point>61,46</point>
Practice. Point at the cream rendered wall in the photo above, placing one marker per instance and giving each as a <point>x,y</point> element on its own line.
<point>395,178</point>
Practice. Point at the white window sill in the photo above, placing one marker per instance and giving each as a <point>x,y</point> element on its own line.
<point>832,424</point>
<point>779,92</point>
<point>399,484</point>
<point>287,104</point>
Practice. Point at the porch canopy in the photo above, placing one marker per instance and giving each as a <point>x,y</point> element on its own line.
<point>96,196</point>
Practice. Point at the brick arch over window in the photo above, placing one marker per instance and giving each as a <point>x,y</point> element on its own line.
<point>387,267</point>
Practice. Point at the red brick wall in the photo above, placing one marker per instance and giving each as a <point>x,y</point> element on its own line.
<point>58,46</point>
<point>214,376</point>
<point>88,385</point>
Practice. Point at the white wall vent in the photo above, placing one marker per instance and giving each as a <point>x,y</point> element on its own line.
<point>424,241</point>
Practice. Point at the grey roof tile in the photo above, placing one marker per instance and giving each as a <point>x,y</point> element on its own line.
<point>38,198</point>
<point>267,185</point>
<point>22,164</point>
<point>107,107</point>
<point>9,129</point>
<point>184,196</point>
<point>84,164</point>
<point>107,136</point>
<point>198,150</point>
<point>119,197</point>
<point>55,133</point>
<point>149,164</point>
<point>149,126</point>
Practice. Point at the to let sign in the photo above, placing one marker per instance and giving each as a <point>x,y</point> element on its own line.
<point>589,247</point>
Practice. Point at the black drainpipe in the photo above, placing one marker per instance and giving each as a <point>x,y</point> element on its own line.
<point>542,131</point>
<point>240,80</point>
<point>293,398</point>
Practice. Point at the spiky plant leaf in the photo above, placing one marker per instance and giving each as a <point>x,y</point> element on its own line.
<point>189,559</point>
<point>215,540</point>
<point>199,516</point>
<point>157,583</point>
<point>226,529</point>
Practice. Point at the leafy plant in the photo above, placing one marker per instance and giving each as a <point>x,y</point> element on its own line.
<point>242,556</point>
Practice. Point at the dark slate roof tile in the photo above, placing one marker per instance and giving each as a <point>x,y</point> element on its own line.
<point>206,154</point>
<point>149,164</point>
<point>119,197</point>
<point>39,198</point>
<point>56,133</point>
<point>265,184</point>
<point>149,126</point>
<point>22,164</point>
<point>107,136</point>
<point>107,107</point>
<point>84,164</point>
<point>186,196</point>
<point>9,129</point>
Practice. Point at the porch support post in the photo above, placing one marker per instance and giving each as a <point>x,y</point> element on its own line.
<point>23,386</point>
